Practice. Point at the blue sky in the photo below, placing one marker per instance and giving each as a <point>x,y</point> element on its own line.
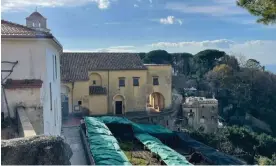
<point>144,25</point>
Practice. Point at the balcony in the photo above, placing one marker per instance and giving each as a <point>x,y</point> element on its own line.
<point>97,90</point>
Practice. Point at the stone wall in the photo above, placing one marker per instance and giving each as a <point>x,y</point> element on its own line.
<point>37,150</point>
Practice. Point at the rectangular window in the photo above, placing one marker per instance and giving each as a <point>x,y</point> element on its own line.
<point>94,82</point>
<point>135,81</point>
<point>155,81</point>
<point>56,65</point>
<point>53,67</point>
<point>122,82</point>
<point>55,112</point>
<point>51,100</point>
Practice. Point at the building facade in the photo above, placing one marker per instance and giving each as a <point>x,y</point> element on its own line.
<point>201,113</point>
<point>31,73</point>
<point>113,83</point>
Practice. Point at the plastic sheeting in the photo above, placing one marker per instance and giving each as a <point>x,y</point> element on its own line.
<point>103,145</point>
<point>137,128</point>
<point>168,155</point>
<point>114,119</point>
<point>215,156</point>
<point>155,129</point>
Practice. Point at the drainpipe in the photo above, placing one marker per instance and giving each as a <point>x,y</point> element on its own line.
<point>108,111</point>
<point>72,99</point>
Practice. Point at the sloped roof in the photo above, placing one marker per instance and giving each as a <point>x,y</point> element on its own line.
<point>75,66</point>
<point>13,30</point>
<point>35,14</point>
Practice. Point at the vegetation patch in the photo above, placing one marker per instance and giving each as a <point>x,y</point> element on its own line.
<point>137,155</point>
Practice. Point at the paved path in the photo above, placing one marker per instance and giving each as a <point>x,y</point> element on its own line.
<point>72,137</point>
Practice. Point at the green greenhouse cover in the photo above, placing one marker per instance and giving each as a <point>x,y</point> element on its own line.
<point>137,128</point>
<point>168,155</point>
<point>103,145</point>
<point>155,129</point>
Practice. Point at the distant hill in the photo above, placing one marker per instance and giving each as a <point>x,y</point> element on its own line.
<point>271,68</point>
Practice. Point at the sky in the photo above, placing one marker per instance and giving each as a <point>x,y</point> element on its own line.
<point>145,25</point>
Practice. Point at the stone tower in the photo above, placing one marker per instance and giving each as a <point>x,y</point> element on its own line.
<point>37,21</point>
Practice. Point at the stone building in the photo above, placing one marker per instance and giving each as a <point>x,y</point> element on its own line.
<point>113,83</point>
<point>201,113</point>
<point>31,73</point>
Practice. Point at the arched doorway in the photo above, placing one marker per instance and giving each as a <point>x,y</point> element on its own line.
<point>65,101</point>
<point>119,104</point>
<point>156,102</point>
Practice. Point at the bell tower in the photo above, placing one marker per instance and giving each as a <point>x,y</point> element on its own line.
<point>37,21</point>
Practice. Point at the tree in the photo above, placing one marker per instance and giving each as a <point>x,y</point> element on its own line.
<point>241,60</point>
<point>264,9</point>
<point>142,55</point>
<point>181,63</point>
<point>253,64</point>
<point>207,60</point>
<point>158,57</point>
<point>231,61</point>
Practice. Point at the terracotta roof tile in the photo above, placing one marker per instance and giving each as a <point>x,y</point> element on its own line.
<point>9,29</point>
<point>75,66</point>
<point>19,84</point>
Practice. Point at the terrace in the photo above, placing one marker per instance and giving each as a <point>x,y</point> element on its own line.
<point>138,147</point>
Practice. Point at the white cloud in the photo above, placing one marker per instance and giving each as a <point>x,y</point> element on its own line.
<point>221,43</point>
<point>216,8</point>
<point>170,20</point>
<point>150,1</point>
<point>135,5</point>
<point>109,49</point>
<point>17,5</point>
<point>262,50</point>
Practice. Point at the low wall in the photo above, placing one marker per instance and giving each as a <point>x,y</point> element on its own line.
<point>35,116</point>
<point>37,150</point>
<point>25,128</point>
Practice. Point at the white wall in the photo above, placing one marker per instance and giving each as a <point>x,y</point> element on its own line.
<point>30,55</point>
<point>52,113</point>
<point>33,56</point>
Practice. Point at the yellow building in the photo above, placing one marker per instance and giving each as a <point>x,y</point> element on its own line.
<point>113,83</point>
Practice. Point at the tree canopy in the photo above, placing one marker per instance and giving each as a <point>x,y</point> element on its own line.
<point>264,9</point>
<point>158,57</point>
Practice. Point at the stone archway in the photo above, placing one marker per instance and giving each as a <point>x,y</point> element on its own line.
<point>119,104</point>
<point>156,102</point>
